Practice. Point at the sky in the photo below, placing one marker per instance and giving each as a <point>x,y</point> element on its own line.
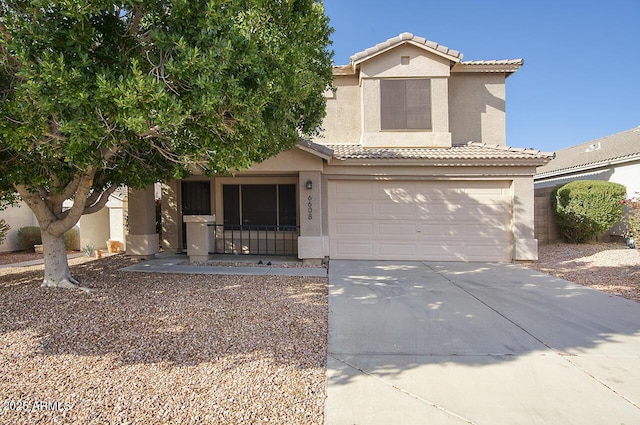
<point>581,75</point>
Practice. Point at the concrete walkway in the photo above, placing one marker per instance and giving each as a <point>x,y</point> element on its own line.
<point>485,344</point>
<point>172,263</point>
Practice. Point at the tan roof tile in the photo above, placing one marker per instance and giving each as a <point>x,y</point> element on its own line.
<point>454,55</point>
<point>618,147</point>
<point>470,151</point>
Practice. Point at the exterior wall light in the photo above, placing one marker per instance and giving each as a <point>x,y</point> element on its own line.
<point>309,184</point>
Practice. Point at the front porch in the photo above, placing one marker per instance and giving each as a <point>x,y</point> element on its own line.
<point>273,208</point>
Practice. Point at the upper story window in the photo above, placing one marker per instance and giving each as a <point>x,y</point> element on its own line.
<point>405,104</point>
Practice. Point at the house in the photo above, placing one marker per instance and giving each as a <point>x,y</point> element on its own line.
<point>412,164</point>
<point>93,229</point>
<point>614,158</point>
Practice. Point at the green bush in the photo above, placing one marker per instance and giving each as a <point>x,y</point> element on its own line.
<point>72,239</point>
<point>29,236</point>
<point>586,208</point>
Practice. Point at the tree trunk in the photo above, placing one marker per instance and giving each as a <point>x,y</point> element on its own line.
<point>56,266</point>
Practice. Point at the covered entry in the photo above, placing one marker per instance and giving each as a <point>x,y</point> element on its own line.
<point>420,220</point>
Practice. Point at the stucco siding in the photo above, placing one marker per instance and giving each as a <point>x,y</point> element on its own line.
<point>17,216</point>
<point>421,64</point>
<point>342,123</point>
<point>477,108</point>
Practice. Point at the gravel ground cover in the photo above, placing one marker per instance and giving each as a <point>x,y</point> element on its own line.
<point>161,349</point>
<point>192,349</point>
<point>608,267</point>
<point>18,257</point>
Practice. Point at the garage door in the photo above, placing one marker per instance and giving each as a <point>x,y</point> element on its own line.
<point>413,220</point>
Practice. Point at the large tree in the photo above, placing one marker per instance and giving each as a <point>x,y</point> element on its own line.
<point>96,94</point>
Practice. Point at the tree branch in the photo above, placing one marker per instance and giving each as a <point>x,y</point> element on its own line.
<point>135,22</point>
<point>33,200</point>
<point>102,201</point>
<point>5,33</point>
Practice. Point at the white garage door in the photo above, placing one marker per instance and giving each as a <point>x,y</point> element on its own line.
<point>420,220</point>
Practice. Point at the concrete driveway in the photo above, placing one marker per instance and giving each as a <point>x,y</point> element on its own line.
<point>471,343</point>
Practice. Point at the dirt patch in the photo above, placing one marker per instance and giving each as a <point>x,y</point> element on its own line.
<point>152,348</point>
<point>608,267</point>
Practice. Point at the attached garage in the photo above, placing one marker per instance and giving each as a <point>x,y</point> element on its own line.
<point>458,220</point>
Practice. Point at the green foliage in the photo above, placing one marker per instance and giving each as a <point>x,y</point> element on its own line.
<point>28,236</point>
<point>586,208</point>
<point>4,229</point>
<point>72,239</point>
<point>89,250</point>
<point>135,91</point>
<point>631,218</point>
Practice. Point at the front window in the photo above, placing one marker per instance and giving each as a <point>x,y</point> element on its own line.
<point>405,104</point>
<point>259,204</point>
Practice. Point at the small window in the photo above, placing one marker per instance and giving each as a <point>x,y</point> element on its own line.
<point>405,104</point>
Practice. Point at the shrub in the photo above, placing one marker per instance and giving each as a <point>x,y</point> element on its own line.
<point>4,229</point>
<point>29,236</point>
<point>586,208</point>
<point>71,239</point>
<point>632,218</point>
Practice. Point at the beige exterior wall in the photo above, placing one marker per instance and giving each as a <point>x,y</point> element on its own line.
<point>343,120</point>
<point>17,216</point>
<point>171,227</point>
<point>421,64</point>
<point>466,106</point>
<point>477,105</point>
<point>95,229</point>
<point>142,240</point>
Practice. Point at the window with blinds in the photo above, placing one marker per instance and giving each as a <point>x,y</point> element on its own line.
<point>405,104</point>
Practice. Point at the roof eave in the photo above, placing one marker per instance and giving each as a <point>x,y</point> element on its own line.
<point>587,167</point>
<point>456,162</point>
<point>499,67</point>
<point>315,149</point>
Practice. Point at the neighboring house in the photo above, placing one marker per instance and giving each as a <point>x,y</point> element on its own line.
<point>412,164</point>
<point>94,229</point>
<point>614,158</point>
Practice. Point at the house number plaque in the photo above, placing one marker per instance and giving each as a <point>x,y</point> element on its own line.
<point>310,209</point>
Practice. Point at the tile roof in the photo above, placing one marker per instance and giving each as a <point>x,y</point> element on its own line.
<point>508,66</point>
<point>495,62</point>
<point>470,151</point>
<point>453,55</point>
<point>618,147</point>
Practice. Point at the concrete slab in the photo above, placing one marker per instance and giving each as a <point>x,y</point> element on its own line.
<point>483,343</point>
<point>361,395</point>
<point>173,264</point>
<point>529,389</point>
<point>414,310</point>
<point>568,317</point>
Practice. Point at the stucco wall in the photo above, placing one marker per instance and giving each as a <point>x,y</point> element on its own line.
<point>95,229</point>
<point>477,108</point>
<point>342,123</point>
<point>464,106</point>
<point>421,64</point>
<point>17,217</point>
